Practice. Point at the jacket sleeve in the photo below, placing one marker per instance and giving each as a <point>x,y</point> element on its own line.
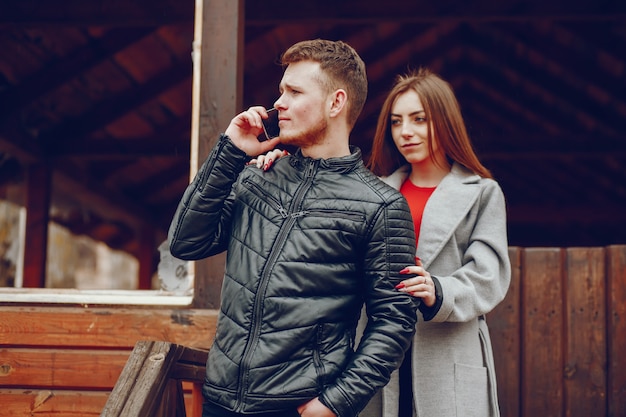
<point>391,313</point>
<point>482,280</point>
<point>201,224</point>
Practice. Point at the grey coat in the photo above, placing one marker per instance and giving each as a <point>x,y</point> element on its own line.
<point>463,243</point>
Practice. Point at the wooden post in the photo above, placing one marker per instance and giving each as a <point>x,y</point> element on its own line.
<point>146,258</point>
<point>37,218</point>
<point>217,97</point>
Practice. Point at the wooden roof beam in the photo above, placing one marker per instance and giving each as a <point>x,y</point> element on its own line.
<point>65,136</point>
<point>55,74</point>
<point>267,12</point>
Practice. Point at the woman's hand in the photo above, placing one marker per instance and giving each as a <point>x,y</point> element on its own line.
<point>265,161</point>
<point>421,286</point>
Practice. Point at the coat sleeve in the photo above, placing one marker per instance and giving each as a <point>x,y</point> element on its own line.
<point>201,224</point>
<point>391,313</point>
<point>482,280</point>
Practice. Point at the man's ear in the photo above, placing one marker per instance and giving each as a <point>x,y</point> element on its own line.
<point>339,100</point>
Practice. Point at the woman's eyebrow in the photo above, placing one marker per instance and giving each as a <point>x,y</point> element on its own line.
<point>415,113</point>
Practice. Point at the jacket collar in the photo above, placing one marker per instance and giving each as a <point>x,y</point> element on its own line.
<point>339,165</point>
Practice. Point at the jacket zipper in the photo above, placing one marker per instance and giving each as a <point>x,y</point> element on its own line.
<point>255,328</point>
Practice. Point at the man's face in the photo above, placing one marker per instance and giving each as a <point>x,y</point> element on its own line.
<point>303,105</point>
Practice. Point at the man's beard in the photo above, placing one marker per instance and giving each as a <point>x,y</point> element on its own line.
<point>312,136</point>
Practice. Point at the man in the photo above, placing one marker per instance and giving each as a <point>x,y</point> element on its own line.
<point>309,243</point>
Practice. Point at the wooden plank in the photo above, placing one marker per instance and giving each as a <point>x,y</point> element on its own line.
<point>150,380</point>
<point>173,401</point>
<point>194,407</point>
<point>142,382</point>
<point>189,372</point>
<point>542,332</point>
<point>53,368</point>
<point>504,327</point>
<point>104,327</point>
<point>616,329</point>
<point>585,373</point>
<point>127,380</point>
<point>70,403</point>
<point>47,403</point>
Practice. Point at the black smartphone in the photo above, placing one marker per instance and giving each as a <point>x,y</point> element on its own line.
<point>270,125</point>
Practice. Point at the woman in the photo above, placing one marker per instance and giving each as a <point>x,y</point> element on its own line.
<point>422,148</point>
<point>462,271</point>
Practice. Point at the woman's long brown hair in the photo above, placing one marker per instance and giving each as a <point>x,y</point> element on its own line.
<point>446,125</point>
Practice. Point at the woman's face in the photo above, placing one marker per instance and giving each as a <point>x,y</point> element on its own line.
<point>409,128</point>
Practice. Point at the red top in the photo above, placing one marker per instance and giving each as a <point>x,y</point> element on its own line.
<point>417,198</point>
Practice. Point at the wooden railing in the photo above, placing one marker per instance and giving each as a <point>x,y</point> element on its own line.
<point>151,381</point>
<point>559,340</point>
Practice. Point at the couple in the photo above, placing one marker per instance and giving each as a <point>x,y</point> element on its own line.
<point>318,236</point>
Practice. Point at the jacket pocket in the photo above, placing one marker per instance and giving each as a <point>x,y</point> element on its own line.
<point>317,357</point>
<point>264,196</point>
<point>336,214</point>
<point>333,348</point>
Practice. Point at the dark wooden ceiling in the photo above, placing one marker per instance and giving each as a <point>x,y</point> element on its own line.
<point>99,91</point>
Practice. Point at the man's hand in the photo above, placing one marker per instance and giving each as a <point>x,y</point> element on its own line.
<point>245,128</point>
<point>315,408</point>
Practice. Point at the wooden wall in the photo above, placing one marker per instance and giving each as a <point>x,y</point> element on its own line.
<point>559,338</point>
<point>560,334</point>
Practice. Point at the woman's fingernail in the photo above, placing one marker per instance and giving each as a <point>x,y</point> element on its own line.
<point>400,286</point>
<point>417,259</point>
<point>405,271</point>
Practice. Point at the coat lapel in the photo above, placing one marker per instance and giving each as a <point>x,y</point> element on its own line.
<point>445,209</point>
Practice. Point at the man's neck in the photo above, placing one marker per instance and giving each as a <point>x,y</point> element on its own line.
<point>326,151</point>
<point>334,144</point>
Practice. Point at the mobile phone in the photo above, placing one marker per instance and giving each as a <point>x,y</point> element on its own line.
<point>270,125</point>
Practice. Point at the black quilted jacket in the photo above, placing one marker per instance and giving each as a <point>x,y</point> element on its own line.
<point>308,242</point>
